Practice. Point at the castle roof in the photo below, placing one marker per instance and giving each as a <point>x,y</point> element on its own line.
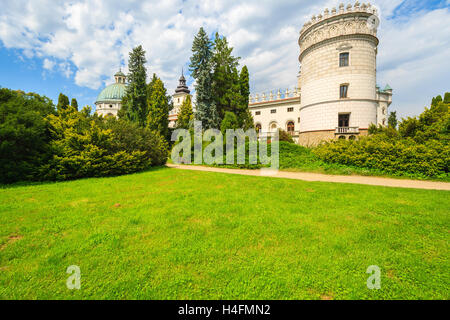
<point>112,93</point>
<point>182,87</point>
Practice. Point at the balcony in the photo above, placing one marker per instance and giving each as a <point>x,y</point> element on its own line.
<point>347,130</point>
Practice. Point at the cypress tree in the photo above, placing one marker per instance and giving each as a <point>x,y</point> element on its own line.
<point>158,109</point>
<point>186,115</point>
<point>63,102</point>
<point>136,94</point>
<point>245,117</point>
<point>74,103</point>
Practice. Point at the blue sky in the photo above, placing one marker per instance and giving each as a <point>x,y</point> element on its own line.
<point>75,47</point>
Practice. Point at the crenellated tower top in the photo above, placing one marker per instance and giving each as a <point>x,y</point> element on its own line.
<point>359,19</point>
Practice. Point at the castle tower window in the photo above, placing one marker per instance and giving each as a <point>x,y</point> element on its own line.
<point>273,111</point>
<point>343,59</point>
<point>343,91</point>
<point>258,128</point>
<point>257,113</point>
<point>344,120</point>
<point>290,109</point>
<point>110,105</point>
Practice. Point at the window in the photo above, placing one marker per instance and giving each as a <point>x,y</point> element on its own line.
<point>257,113</point>
<point>342,137</point>
<point>290,109</point>
<point>273,111</point>
<point>351,138</point>
<point>343,91</point>
<point>110,105</point>
<point>258,128</point>
<point>343,59</point>
<point>290,126</point>
<point>298,120</point>
<point>178,100</point>
<point>344,120</point>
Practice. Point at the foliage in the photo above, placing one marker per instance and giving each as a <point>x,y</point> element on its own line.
<point>135,100</point>
<point>158,108</point>
<point>229,121</point>
<point>88,146</point>
<point>186,115</point>
<point>285,136</point>
<point>24,136</point>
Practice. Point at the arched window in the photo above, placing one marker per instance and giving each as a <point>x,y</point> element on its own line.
<point>258,128</point>
<point>342,137</point>
<point>273,127</point>
<point>290,126</point>
<point>351,138</point>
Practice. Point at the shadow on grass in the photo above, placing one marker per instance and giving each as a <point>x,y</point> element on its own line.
<point>40,183</point>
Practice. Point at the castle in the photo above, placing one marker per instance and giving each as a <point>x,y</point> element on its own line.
<point>336,96</point>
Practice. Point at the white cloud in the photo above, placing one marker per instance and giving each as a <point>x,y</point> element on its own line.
<point>89,39</point>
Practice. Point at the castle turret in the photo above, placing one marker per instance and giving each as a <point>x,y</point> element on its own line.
<point>181,92</point>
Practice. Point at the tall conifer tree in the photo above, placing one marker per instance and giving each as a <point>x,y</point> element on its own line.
<point>158,108</point>
<point>136,95</point>
<point>186,115</point>
<point>201,68</point>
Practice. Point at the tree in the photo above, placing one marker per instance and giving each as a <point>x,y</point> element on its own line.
<point>74,103</point>
<point>158,109</point>
<point>201,71</point>
<point>226,84</point>
<point>185,115</point>
<point>392,120</point>
<point>24,134</point>
<point>245,117</point>
<point>135,100</point>
<point>63,102</point>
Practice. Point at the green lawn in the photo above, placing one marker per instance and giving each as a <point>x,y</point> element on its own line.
<point>200,235</point>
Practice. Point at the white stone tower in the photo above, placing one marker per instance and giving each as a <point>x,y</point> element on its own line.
<point>339,94</point>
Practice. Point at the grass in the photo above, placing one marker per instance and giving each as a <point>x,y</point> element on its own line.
<point>174,234</point>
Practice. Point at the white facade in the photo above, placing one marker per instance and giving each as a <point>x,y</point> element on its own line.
<point>337,95</point>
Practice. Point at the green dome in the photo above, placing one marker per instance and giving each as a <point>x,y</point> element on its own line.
<point>113,92</point>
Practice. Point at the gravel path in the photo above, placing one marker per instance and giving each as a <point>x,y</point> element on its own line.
<point>306,176</point>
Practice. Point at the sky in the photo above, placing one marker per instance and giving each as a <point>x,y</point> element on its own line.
<point>75,47</point>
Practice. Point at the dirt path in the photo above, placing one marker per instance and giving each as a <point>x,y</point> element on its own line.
<point>306,176</point>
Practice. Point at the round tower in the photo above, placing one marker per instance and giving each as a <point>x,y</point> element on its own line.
<point>338,79</point>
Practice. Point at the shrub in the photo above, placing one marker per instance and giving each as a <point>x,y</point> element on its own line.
<point>420,147</point>
<point>284,136</point>
<point>89,146</point>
